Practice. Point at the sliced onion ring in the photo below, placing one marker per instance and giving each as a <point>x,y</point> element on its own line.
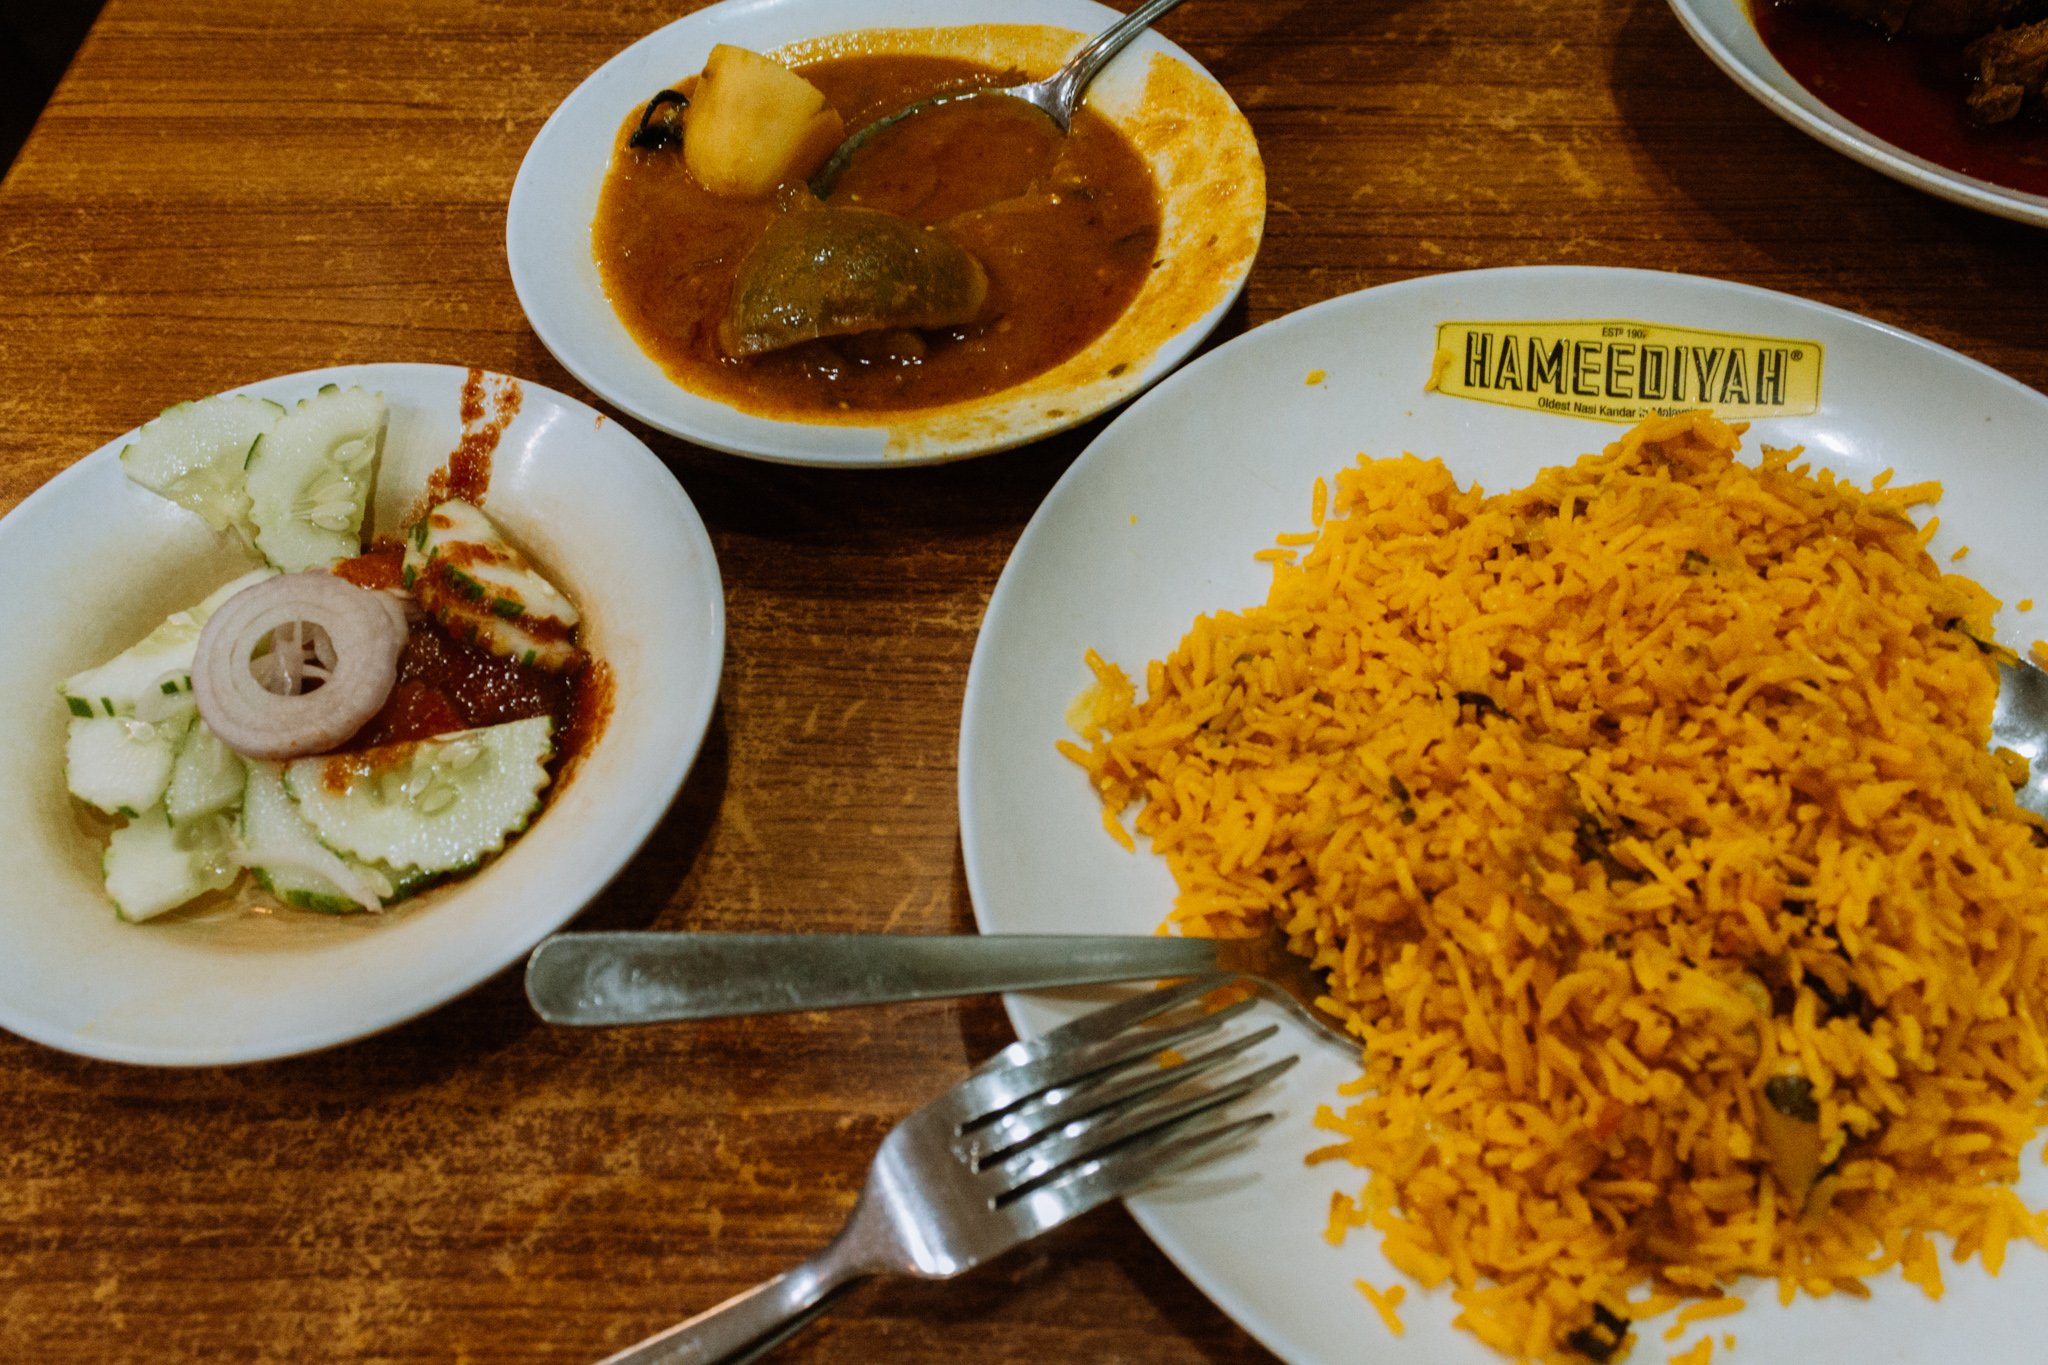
<point>364,630</point>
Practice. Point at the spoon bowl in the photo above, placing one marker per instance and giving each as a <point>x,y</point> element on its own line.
<point>1057,96</point>
<point>2020,723</point>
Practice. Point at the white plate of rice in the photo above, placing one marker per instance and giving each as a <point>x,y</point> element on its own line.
<point>1159,521</point>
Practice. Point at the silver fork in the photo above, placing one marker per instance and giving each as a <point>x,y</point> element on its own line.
<point>1042,1132</point>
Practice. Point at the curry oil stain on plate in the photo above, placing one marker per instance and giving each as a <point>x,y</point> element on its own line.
<point>1205,164</point>
<point>93,562</point>
<point>1726,32</point>
<point>1158,521</point>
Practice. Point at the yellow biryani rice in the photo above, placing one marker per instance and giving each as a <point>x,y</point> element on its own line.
<point>1644,823</point>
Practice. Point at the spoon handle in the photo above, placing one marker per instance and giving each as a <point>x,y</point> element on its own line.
<point>638,978</point>
<point>1083,67</point>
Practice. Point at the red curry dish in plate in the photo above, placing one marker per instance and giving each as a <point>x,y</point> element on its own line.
<point>1049,278</point>
<point>1958,82</point>
<point>1066,230</point>
<point>1898,105</point>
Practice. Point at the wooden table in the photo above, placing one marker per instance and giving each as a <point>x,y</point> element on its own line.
<point>228,189</point>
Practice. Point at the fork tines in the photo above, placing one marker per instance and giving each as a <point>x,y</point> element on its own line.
<point>1091,1109</point>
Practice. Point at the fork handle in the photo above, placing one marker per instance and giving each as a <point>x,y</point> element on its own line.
<point>749,1324</point>
<point>1084,65</point>
<point>635,978</point>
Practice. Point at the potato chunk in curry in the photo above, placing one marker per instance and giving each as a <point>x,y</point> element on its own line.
<point>754,124</point>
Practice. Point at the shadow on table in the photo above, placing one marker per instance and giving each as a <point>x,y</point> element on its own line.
<point>659,874</point>
<point>1262,54</point>
<point>1074,1274</point>
<point>37,41</point>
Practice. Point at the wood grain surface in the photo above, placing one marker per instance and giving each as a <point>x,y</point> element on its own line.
<point>228,189</point>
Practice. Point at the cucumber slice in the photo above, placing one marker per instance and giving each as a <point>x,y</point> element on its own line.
<point>207,777</point>
<point>120,764</point>
<point>293,865</point>
<point>438,805</point>
<point>152,866</point>
<point>156,667</point>
<point>309,479</point>
<point>193,453</point>
<point>482,589</point>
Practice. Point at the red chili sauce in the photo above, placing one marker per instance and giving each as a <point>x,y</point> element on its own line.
<point>1908,91</point>
<point>486,411</point>
<point>447,684</point>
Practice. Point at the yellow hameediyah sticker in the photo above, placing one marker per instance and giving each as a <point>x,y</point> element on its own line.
<point>1623,371</point>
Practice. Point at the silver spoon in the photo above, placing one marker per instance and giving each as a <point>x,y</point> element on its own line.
<point>644,978</point>
<point>1056,96</point>
<point>2020,722</point>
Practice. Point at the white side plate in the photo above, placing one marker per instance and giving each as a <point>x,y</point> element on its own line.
<point>92,562</point>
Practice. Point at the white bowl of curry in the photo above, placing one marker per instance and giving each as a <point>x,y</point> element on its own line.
<point>1108,254</point>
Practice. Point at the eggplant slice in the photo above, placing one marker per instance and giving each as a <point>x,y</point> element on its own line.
<point>825,272</point>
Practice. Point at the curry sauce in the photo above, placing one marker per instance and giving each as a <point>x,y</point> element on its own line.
<point>1067,229</point>
<point>1907,90</point>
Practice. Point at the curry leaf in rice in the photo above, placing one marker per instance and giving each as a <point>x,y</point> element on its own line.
<point>1725,841</point>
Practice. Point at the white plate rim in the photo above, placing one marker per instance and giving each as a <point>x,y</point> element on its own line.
<point>630,828</point>
<point>1030,1015</point>
<point>540,181</point>
<point>1747,62</point>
